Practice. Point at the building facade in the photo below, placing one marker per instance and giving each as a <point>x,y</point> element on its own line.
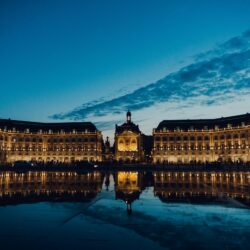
<point>209,140</point>
<point>173,141</point>
<point>128,142</point>
<point>62,142</point>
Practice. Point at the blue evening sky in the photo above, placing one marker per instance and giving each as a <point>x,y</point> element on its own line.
<point>57,55</point>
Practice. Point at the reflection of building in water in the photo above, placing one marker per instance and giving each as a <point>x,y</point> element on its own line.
<point>64,142</point>
<point>207,140</point>
<point>128,187</point>
<point>48,186</point>
<point>196,187</point>
<point>202,186</point>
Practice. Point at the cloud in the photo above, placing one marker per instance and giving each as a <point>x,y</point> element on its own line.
<point>235,44</point>
<point>217,77</point>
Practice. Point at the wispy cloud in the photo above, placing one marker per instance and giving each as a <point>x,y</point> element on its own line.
<point>217,77</point>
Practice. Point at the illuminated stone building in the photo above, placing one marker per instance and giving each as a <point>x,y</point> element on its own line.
<point>63,142</point>
<point>205,140</point>
<point>128,142</point>
<point>173,141</point>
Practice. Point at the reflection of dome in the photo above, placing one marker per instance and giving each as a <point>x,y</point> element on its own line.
<point>128,197</point>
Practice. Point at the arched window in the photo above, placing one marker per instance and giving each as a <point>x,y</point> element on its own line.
<point>121,141</point>
<point>242,136</point>
<point>236,136</point>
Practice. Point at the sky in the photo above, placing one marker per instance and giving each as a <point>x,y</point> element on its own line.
<point>92,60</point>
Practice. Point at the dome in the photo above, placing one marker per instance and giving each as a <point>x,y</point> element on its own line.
<point>128,113</point>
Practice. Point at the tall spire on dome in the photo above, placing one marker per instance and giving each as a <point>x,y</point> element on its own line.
<point>128,116</point>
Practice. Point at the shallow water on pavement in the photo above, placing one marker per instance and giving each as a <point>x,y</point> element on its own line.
<point>125,210</point>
